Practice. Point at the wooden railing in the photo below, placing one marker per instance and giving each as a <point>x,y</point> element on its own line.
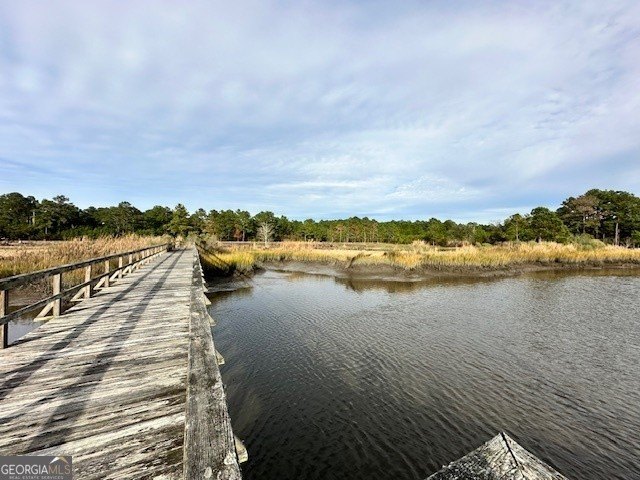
<point>52,305</point>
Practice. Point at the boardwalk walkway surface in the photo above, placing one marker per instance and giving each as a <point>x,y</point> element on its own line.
<point>107,381</point>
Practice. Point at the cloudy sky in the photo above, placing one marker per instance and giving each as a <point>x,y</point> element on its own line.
<point>467,110</point>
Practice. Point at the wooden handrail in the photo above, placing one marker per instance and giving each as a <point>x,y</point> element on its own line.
<point>17,280</point>
<point>53,303</point>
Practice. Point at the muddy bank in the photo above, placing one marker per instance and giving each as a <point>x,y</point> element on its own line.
<point>429,273</point>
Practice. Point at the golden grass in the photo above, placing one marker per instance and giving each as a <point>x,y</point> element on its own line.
<point>424,256</point>
<point>226,263</point>
<point>33,256</point>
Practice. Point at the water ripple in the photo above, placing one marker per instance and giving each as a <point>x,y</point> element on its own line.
<point>328,382</point>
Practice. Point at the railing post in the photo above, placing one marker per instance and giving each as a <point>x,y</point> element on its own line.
<point>57,288</point>
<point>120,263</point>
<point>88,272</point>
<point>107,267</point>
<point>130,261</point>
<point>4,310</point>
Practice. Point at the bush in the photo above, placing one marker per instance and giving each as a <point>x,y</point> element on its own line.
<point>587,242</point>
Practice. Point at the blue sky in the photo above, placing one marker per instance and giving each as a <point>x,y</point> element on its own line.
<point>465,110</point>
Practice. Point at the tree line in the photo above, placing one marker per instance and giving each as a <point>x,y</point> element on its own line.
<point>610,216</point>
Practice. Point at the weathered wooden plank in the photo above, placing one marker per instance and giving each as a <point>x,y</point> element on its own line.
<point>106,419</point>
<point>70,353</point>
<point>209,443</point>
<point>499,458</point>
<point>79,394</point>
<point>152,442</point>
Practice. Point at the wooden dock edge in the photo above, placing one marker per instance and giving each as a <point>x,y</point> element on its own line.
<point>499,458</point>
<point>209,442</point>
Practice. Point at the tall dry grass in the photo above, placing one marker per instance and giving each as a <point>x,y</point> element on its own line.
<point>229,260</point>
<point>33,256</point>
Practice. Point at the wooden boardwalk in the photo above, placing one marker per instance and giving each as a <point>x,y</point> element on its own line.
<point>113,380</point>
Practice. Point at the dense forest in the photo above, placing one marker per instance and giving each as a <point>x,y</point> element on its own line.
<point>610,216</point>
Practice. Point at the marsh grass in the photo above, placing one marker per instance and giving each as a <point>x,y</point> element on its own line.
<point>34,256</point>
<point>420,256</point>
<point>228,263</point>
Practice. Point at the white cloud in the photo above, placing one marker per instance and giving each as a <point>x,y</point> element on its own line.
<point>322,109</point>
<point>432,189</point>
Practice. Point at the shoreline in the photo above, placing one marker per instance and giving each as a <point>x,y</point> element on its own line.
<point>426,273</point>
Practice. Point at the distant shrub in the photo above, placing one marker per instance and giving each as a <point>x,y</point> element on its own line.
<point>587,242</point>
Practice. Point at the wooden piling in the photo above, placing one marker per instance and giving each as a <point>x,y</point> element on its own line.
<point>499,458</point>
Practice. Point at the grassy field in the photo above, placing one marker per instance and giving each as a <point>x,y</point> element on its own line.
<point>32,256</point>
<point>244,258</point>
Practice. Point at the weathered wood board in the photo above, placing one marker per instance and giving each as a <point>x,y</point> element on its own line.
<point>209,443</point>
<point>499,458</point>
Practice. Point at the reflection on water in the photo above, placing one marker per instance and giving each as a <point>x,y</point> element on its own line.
<point>337,378</point>
<point>20,327</point>
<point>358,284</point>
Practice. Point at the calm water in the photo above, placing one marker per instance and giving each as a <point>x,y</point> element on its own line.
<point>330,378</point>
<point>20,327</point>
